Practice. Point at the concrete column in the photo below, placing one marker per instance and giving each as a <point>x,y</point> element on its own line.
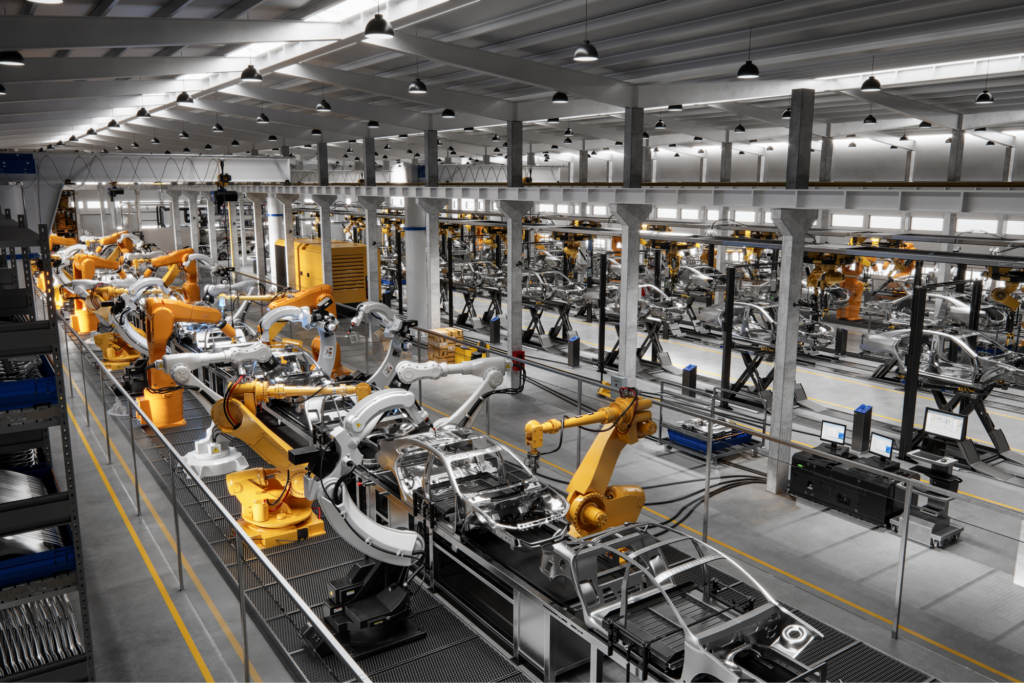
<point>232,239</point>
<point>514,167</point>
<point>948,229</point>
<point>192,197</point>
<point>648,174</point>
<point>514,212</point>
<point>243,241</point>
<point>138,210</point>
<point>373,238</point>
<point>801,125</point>
<point>324,201</point>
<point>257,199</point>
<point>632,217</point>
<point>430,157</point>
<point>633,149</point>
<point>825,167</point>
<point>793,225</point>
<point>760,168</point>
<point>583,173</point>
<point>1011,151</point>
<point>179,238</point>
<point>702,169</point>
<point>908,174</point>
<point>956,156</point>
<point>416,299</point>
<point>275,228</point>
<point>370,161</point>
<point>114,222</point>
<point>284,204</point>
<point>725,165</point>
<point>101,190</point>
<point>322,165</point>
<point>431,207</point>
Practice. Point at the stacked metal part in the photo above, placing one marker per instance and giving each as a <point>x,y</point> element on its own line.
<point>16,486</point>
<point>20,368</point>
<point>26,458</point>
<point>38,633</point>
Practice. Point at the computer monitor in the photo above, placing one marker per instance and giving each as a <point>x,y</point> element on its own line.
<point>948,425</point>
<point>833,433</point>
<point>880,446</point>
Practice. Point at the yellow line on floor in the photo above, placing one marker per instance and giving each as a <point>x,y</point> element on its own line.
<point>145,557</point>
<point>783,572</point>
<point>174,548</point>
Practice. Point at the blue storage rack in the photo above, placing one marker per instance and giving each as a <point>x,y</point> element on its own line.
<point>29,393</point>
<point>17,570</point>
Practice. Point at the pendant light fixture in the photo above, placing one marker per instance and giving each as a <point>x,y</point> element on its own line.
<point>272,138</point>
<point>660,125</point>
<point>251,74</point>
<point>870,120</point>
<point>155,140</point>
<point>142,113</point>
<point>447,114</point>
<point>586,52</point>
<point>316,132</point>
<point>990,144</point>
<point>217,128</point>
<point>749,69</point>
<point>183,135</point>
<point>113,124</point>
<point>853,144</point>
<point>740,128</point>
<point>11,58</point>
<point>60,143</point>
<point>871,84</point>
<point>167,151</point>
<point>184,98</point>
<point>134,145</point>
<point>924,124</point>
<point>787,115</point>
<point>697,138</point>
<point>72,139</point>
<point>186,151</point>
<point>90,132</point>
<point>49,147</point>
<point>387,145</point>
<point>560,98</point>
<point>949,140</point>
<point>495,138</point>
<point>3,90</point>
<point>118,149</point>
<point>567,141</point>
<point>234,143</point>
<point>986,97</point>
<point>904,138</point>
<point>262,118</point>
<point>675,107</point>
<point>417,87</point>
<point>379,27</point>
<point>372,124</point>
<point>568,131</point>
<point>208,147</point>
<point>323,106</point>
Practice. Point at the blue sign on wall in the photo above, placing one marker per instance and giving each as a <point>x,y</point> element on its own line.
<point>17,163</point>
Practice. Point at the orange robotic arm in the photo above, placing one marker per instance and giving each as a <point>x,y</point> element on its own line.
<point>56,239</point>
<point>173,262</point>
<point>309,298</point>
<point>594,505</point>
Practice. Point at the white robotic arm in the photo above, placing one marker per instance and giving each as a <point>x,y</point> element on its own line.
<point>181,365</point>
<point>491,370</point>
<point>326,326</point>
<point>393,546</point>
<point>141,285</point>
<point>394,329</point>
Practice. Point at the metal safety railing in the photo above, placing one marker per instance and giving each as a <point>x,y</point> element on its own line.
<point>178,465</point>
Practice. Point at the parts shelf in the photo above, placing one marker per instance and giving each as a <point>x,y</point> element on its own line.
<point>42,589</point>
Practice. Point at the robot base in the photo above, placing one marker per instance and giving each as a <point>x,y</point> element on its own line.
<point>369,641</point>
<point>165,410</point>
<point>212,460</point>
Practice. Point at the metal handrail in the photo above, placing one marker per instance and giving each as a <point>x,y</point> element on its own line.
<point>240,533</point>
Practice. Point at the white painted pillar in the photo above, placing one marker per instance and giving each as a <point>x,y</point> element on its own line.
<point>175,195</point>
<point>372,238</point>
<point>101,190</point>
<point>416,298</point>
<point>632,217</point>
<point>114,222</point>
<point>514,212</point>
<point>138,210</point>
<point>275,227</point>
<point>431,208</point>
<point>259,253</point>
<point>193,220</point>
<point>285,202</point>
<point>793,225</point>
<point>324,201</point>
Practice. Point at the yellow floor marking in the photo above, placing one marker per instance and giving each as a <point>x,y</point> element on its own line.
<point>145,557</point>
<point>174,548</point>
<point>785,573</point>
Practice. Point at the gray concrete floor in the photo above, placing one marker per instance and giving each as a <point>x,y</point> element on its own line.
<point>143,627</point>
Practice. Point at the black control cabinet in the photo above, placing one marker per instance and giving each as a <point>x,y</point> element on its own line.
<point>872,498</point>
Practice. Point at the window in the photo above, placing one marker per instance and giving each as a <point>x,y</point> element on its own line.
<point>398,202</point>
<point>92,205</point>
<point>847,220</point>
<point>546,208</point>
<point>746,216</point>
<point>926,223</point>
<point>885,222</point>
<point>768,218</point>
<point>713,214</point>
<point>986,225</point>
<point>689,214</point>
<point>598,210</point>
<point>564,208</point>
<point>81,205</point>
<point>1014,227</point>
<point>667,213</point>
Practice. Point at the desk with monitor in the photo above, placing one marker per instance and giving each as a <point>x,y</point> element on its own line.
<point>929,514</point>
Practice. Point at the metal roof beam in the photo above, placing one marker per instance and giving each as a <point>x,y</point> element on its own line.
<point>56,69</point>
<point>924,112</point>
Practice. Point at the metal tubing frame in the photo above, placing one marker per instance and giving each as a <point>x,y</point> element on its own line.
<point>919,304</point>
<point>901,565</point>
<point>307,612</point>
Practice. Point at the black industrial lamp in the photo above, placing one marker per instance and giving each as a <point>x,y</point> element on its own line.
<point>871,84</point>
<point>447,114</point>
<point>184,98</point>
<point>586,52</point>
<point>11,58</point>
<point>749,69</point>
<point>560,98</point>
<point>379,27</point>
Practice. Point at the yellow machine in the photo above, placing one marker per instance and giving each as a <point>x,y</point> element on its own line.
<point>117,354</point>
<point>65,220</point>
<point>852,284</point>
<point>348,263</point>
<point>275,509</point>
<point>83,267</point>
<point>1004,295</point>
<point>594,505</point>
<point>175,262</point>
<point>162,399</point>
